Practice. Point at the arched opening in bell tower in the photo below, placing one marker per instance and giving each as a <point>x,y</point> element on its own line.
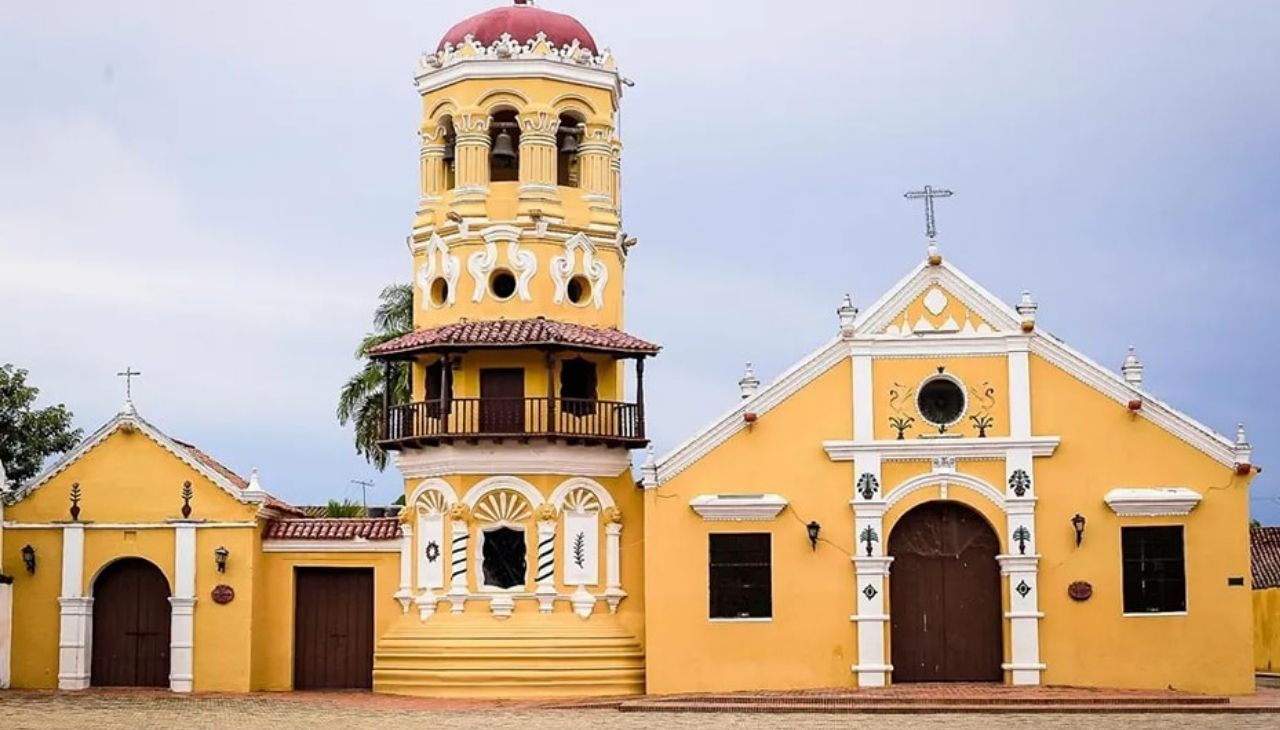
<point>568,139</point>
<point>504,147</point>
<point>450,153</point>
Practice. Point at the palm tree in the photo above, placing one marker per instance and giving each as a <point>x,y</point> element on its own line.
<point>360,401</point>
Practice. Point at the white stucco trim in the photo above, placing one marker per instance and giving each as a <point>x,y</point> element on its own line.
<point>738,507</point>
<point>6,634</point>
<point>924,481</point>
<point>921,449</point>
<point>541,458</point>
<point>182,610</point>
<point>981,302</point>
<point>432,485</point>
<point>124,525</point>
<point>1157,502</point>
<point>493,484</point>
<point>560,492</point>
<point>494,69</point>
<point>75,613</point>
<point>358,545</point>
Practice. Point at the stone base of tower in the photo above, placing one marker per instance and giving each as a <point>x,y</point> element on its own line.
<point>524,656</point>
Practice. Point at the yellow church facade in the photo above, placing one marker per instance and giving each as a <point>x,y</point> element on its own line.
<point>941,492</point>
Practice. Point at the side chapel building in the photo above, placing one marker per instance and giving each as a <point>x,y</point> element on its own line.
<point>942,491</point>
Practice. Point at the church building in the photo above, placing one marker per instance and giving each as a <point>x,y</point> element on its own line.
<point>941,492</point>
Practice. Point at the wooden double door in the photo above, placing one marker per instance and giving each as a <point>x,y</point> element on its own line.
<point>333,628</point>
<point>945,611</point>
<point>502,400</point>
<point>131,620</point>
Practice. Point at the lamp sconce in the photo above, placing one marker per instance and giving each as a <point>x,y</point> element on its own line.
<point>1077,523</point>
<point>813,529</point>
<point>29,558</point>
<point>220,556</point>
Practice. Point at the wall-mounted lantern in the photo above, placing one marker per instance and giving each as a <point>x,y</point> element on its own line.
<point>29,558</point>
<point>813,528</point>
<point>220,556</point>
<point>1077,523</point>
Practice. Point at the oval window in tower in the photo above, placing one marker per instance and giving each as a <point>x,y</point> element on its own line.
<point>941,401</point>
<point>439,292</point>
<point>579,290</point>
<point>502,284</point>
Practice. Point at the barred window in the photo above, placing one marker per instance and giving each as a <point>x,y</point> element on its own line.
<point>1155,579</point>
<point>741,575</point>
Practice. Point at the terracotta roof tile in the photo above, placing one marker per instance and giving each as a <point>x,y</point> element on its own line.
<point>234,478</point>
<point>516,333</point>
<point>1265,556</point>
<point>377,528</point>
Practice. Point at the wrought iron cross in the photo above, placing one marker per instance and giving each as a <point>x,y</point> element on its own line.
<point>129,374</point>
<point>928,194</point>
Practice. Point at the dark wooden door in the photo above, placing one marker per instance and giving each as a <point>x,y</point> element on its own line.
<point>944,595</point>
<point>130,626</point>
<point>502,400</point>
<point>333,628</point>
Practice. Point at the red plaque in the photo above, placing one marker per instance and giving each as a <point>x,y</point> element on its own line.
<point>1080,590</point>
<point>223,594</point>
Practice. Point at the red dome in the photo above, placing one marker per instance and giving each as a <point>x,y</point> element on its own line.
<point>523,22</point>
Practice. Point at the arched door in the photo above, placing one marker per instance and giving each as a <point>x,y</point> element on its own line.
<point>130,626</point>
<point>944,595</point>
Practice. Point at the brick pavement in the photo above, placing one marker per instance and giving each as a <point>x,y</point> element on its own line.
<point>108,710</point>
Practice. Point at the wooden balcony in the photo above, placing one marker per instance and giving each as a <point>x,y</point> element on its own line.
<point>572,420</point>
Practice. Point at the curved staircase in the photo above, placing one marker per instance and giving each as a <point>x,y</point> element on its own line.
<point>525,656</point>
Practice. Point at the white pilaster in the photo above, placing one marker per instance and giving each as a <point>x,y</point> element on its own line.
<point>546,578</point>
<point>182,609</point>
<point>405,593</point>
<point>1020,565</point>
<point>1019,387</point>
<point>461,536</point>
<point>430,537</point>
<point>873,667</point>
<point>613,592</point>
<point>75,613</point>
<point>863,413</point>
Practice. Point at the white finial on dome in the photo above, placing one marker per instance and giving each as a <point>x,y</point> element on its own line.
<point>848,315</point>
<point>1132,369</point>
<point>749,383</point>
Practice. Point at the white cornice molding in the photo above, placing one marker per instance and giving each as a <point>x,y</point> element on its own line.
<point>547,458</point>
<point>492,68</point>
<point>1155,502</point>
<point>1184,427</point>
<point>356,545</point>
<point>738,507</point>
<point>924,449</point>
<point>980,301</point>
<point>765,400</point>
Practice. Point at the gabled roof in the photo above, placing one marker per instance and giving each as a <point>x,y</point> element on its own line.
<point>208,467</point>
<point>1005,321</point>
<point>1264,556</point>
<point>508,333</point>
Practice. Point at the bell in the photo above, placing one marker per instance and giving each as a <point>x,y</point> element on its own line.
<point>569,145</point>
<point>504,150</point>
<point>450,151</point>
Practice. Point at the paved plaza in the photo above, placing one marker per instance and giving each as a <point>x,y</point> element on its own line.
<point>106,710</point>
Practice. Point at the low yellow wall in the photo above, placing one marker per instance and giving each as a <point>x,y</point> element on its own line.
<point>273,619</point>
<point>1266,630</point>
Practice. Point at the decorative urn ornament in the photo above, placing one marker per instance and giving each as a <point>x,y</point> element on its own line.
<point>186,500</point>
<point>75,502</point>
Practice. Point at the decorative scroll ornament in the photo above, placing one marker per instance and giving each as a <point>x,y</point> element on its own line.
<point>437,263</point>
<point>503,505</point>
<point>868,485</point>
<point>482,263</point>
<point>985,399</point>
<point>507,48</point>
<point>1019,482</point>
<point>899,396</point>
<point>564,266</point>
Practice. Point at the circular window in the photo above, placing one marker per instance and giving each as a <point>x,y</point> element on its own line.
<point>941,401</point>
<point>502,283</point>
<point>439,291</point>
<point>579,289</point>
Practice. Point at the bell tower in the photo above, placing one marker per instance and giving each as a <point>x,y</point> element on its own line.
<point>527,395</point>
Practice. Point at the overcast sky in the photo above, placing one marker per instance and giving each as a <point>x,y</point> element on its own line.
<point>214,193</point>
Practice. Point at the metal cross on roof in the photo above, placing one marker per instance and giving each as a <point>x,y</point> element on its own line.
<point>129,374</point>
<point>929,193</point>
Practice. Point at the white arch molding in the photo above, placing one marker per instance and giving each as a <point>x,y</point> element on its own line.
<point>433,484</point>
<point>934,479</point>
<point>493,484</point>
<point>563,490</point>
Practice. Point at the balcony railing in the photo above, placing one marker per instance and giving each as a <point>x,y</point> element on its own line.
<point>572,419</point>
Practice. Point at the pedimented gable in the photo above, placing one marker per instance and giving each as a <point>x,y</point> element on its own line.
<point>937,300</point>
<point>937,310</point>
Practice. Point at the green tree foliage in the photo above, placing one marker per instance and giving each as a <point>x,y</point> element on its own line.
<point>29,435</point>
<point>360,401</point>
<point>345,508</point>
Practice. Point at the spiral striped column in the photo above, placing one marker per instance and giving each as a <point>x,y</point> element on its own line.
<point>546,590</point>
<point>461,537</point>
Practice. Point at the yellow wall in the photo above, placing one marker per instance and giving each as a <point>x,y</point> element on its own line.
<point>810,641</point>
<point>34,658</point>
<point>1266,630</point>
<point>466,375</point>
<point>986,381</point>
<point>1104,447</point>
<point>272,664</point>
